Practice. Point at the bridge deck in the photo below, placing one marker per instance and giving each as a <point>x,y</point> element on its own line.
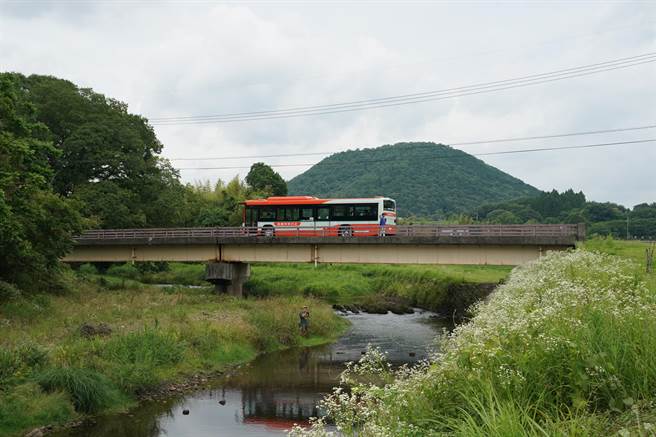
<point>467,244</point>
<point>565,234</point>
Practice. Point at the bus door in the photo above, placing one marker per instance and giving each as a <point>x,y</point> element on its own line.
<point>306,216</point>
<point>322,217</point>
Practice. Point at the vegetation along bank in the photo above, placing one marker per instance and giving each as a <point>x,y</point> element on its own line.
<point>564,347</point>
<point>113,340</point>
<point>447,290</point>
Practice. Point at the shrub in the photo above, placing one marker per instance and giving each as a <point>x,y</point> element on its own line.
<point>24,357</point>
<point>8,292</point>
<point>124,271</point>
<point>89,390</point>
<point>32,355</point>
<point>88,269</point>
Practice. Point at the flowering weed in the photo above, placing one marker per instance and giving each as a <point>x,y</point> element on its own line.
<point>561,348</point>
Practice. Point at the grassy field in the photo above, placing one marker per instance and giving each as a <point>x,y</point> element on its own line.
<point>564,347</point>
<point>50,373</point>
<point>628,249</point>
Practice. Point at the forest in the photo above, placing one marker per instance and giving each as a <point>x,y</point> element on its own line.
<point>602,218</point>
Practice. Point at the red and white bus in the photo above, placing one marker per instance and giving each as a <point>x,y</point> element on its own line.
<point>311,216</point>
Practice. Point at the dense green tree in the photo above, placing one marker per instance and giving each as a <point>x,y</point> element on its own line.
<point>597,212</point>
<point>500,216</point>
<point>36,224</point>
<point>644,210</point>
<point>106,157</point>
<point>261,177</point>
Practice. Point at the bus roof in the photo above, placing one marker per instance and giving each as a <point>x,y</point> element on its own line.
<point>304,200</point>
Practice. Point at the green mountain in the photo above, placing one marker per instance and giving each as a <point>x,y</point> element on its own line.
<point>426,179</point>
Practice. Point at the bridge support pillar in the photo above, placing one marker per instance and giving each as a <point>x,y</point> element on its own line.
<point>228,277</point>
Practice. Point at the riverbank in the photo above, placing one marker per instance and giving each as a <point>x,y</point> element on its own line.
<point>564,347</point>
<point>113,340</point>
<point>448,289</point>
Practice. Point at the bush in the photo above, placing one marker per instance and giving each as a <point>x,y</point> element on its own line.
<point>32,355</point>
<point>21,359</point>
<point>124,271</point>
<point>8,292</point>
<point>88,269</point>
<point>89,390</point>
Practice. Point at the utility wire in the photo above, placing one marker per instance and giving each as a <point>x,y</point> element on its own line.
<point>413,95</point>
<point>417,97</point>
<point>467,143</point>
<point>458,155</point>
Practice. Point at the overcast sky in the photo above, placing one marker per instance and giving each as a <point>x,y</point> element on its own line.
<point>169,59</point>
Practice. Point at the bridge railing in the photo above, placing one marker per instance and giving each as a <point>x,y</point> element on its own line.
<point>464,231</point>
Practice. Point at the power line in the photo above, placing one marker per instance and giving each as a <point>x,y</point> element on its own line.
<point>459,155</point>
<point>405,96</point>
<point>416,97</point>
<point>467,143</point>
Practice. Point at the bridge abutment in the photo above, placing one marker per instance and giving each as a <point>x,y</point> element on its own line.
<point>228,277</point>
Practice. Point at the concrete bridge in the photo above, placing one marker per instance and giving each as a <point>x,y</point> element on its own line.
<point>230,250</point>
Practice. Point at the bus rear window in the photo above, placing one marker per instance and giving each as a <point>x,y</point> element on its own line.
<point>389,205</point>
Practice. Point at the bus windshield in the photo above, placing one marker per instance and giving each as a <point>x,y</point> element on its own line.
<point>389,205</point>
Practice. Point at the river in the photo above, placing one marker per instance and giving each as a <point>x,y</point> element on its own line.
<point>267,396</point>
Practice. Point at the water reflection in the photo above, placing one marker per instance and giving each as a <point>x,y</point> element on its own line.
<point>275,391</point>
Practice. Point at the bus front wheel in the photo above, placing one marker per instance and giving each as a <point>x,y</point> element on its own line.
<point>345,231</point>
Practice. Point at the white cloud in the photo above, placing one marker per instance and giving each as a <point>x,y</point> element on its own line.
<point>181,59</point>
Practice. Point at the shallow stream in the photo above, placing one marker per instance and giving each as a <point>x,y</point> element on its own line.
<point>270,394</point>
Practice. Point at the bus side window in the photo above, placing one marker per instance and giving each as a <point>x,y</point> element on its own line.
<point>291,214</point>
<point>295,214</point>
<point>323,214</point>
<point>280,214</point>
<point>267,214</point>
<point>389,205</point>
<point>307,213</point>
<point>338,212</point>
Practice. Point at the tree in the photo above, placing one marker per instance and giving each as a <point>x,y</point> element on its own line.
<point>500,216</point>
<point>262,178</point>
<point>106,156</point>
<point>36,224</point>
<point>598,212</point>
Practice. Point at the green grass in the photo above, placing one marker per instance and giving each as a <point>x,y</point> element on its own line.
<point>631,249</point>
<point>51,374</point>
<point>564,347</point>
<point>27,406</point>
<point>628,249</point>
<point>439,288</point>
<point>425,286</point>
